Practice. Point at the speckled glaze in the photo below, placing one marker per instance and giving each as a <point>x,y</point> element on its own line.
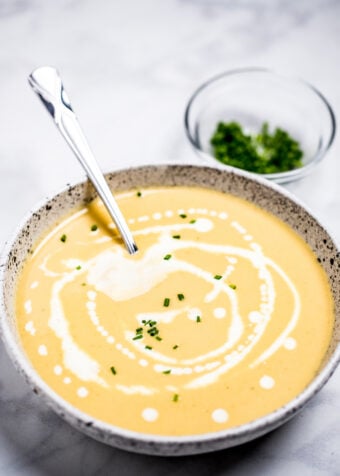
<point>268,196</point>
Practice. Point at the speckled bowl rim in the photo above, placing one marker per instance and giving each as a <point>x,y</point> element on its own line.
<point>151,443</point>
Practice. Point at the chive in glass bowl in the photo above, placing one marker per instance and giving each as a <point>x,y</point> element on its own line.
<point>256,98</point>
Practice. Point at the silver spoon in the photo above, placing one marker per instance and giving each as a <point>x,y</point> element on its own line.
<point>48,85</point>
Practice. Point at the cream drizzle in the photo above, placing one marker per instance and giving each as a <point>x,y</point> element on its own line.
<point>136,389</point>
<point>75,359</point>
<point>121,277</point>
<point>30,328</point>
<point>28,306</point>
<point>58,228</point>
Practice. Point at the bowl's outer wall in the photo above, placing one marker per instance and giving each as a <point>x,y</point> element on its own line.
<point>241,184</point>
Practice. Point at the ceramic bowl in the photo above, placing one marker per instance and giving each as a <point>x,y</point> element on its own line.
<point>253,96</point>
<point>261,192</point>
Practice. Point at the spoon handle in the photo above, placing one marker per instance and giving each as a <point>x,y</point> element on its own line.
<point>47,84</point>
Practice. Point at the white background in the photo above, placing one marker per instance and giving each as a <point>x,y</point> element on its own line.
<point>130,67</point>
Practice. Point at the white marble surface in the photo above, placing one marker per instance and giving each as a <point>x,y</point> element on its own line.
<point>130,67</point>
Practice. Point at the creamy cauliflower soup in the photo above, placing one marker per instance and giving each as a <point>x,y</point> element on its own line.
<point>223,315</point>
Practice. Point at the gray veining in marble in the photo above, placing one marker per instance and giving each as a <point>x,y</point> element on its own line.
<point>130,67</point>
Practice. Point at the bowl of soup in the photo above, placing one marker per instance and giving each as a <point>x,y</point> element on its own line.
<point>220,329</point>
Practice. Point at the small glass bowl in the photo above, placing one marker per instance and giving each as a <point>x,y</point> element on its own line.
<point>253,96</point>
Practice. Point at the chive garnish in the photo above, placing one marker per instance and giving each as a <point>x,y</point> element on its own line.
<point>198,319</point>
<point>139,193</point>
<point>78,267</point>
<point>180,297</point>
<point>83,284</point>
<point>183,215</point>
<point>176,237</point>
<point>217,276</point>
<point>153,331</point>
<point>63,238</point>
<point>175,347</point>
<point>167,257</point>
<point>192,222</point>
<point>148,347</point>
<point>167,372</point>
<point>158,338</point>
<point>175,397</point>
<point>232,286</point>
<point>267,151</point>
<point>113,370</point>
<point>94,227</point>
<point>166,302</point>
<point>138,336</point>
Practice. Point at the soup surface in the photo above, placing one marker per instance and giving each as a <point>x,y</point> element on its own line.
<point>222,316</point>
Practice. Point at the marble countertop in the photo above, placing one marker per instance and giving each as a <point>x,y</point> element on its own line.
<point>130,67</point>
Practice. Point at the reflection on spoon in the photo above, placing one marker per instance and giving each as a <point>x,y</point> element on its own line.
<point>48,85</point>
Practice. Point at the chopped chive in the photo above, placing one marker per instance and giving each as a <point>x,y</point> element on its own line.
<point>113,370</point>
<point>167,257</point>
<point>63,238</point>
<point>148,347</point>
<point>192,222</point>
<point>180,297</point>
<point>217,276</point>
<point>232,286</point>
<point>167,372</point>
<point>78,267</point>
<point>175,397</point>
<point>139,193</point>
<point>183,215</point>
<point>158,338</point>
<point>175,347</point>
<point>166,302</point>
<point>138,336</point>
<point>94,227</point>
<point>176,237</point>
<point>83,284</point>
<point>269,150</point>
<point>198,319</point>
<point>152,330</point>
